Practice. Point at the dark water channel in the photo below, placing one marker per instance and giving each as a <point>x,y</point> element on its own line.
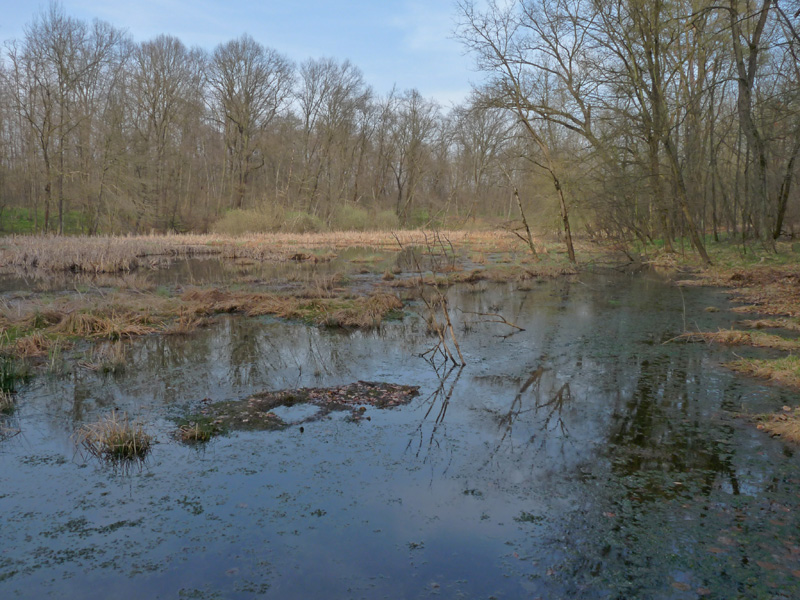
<point>580,458</point>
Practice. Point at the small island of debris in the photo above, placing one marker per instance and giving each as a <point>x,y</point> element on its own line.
<point>257,412</point>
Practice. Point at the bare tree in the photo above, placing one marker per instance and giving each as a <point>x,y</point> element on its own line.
<point>414,127</point>
<point>165,96</point>
<point>249,86</point>
<point>334,103</point>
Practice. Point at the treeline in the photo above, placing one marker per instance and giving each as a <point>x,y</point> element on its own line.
<point>647,120</point>
<point>101,134</point>
<point>663,118</point>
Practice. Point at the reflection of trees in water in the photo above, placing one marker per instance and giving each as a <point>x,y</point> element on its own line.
<point>677,477</point>
<point>437,402</point>
<point>543,416</point>
<point>663,427</point>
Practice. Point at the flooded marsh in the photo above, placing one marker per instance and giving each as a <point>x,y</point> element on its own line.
<point>575,456</point>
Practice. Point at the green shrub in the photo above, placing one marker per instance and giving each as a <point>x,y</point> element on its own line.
<point>240,222</point>
<point>302,222</point>
<point>350,218</point>
<point>385,220</point>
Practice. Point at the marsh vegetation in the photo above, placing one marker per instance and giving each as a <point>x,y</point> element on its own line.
<point>298,388</point>
<point>540,344</point>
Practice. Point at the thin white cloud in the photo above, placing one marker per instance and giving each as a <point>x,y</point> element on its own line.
<point>426,26</point>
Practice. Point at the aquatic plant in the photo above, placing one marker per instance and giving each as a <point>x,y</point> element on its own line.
<point>115,438</point>
<point>199,428</point>
<point>110,254</point>
<point>108,357</point>
<point>7,402</point>
<point>10,372</point>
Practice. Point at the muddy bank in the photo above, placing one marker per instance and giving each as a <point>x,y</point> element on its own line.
<point>261,412</point>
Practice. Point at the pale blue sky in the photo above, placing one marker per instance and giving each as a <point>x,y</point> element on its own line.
<point>403,42</point>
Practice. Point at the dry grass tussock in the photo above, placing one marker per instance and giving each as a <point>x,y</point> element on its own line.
<point>735,337</point>
<point>366,311</point>
<point>114,314</point>
<point>790,324</point>
<point>115,325</point>
<point>784,370</point>
<point>785,424</point>
<point>195,432</point>
<point>32,345</point>
<point>115,438</point>
<point>363,311</point>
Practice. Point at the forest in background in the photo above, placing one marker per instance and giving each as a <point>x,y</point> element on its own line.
<point>638,120</point>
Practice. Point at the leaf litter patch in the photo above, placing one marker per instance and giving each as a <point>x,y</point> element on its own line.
<point>267,411</point>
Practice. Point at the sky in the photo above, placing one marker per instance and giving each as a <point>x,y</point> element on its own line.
<point>407,43</point>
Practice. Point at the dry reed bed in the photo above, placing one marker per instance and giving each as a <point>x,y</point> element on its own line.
<point>102,254</point>
<point>114,254</point>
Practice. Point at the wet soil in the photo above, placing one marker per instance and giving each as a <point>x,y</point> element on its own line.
<point>258,412</point>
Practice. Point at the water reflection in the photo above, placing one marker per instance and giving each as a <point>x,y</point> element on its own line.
<point>437,403</point>
<point>576,458</point>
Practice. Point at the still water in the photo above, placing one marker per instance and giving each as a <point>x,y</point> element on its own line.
<point>580,458</point>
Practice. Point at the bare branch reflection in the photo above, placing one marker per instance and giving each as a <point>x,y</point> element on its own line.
<point>438,399</point>
<point>547,409</point>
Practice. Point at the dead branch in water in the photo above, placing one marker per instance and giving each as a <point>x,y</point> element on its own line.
<point>494,318</point>
<point>437,250</point>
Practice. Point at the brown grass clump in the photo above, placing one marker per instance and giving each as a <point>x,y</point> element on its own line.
<point>367,312</point>
<point>216,301</point>
<point>32,345</point>
<point>784,370</point>
<point>735,337</point>
<point>115,438</point>
<point>785,424</point>
<point>199,431</point>
<point>114,326</point>
<point>775,323</point>
<point>185,324</point>
<point>38,320</point>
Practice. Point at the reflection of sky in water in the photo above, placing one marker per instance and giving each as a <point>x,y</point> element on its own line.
<point>581,457</point>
